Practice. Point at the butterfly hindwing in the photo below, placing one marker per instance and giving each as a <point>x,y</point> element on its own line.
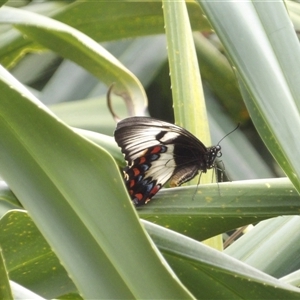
<point>156,152</point>
<point>147,174</point>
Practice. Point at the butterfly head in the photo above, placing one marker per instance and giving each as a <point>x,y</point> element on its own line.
<point>213,153</point>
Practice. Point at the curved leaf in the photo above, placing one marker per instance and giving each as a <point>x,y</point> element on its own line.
<point>76,46</point>
<point>67,182</point>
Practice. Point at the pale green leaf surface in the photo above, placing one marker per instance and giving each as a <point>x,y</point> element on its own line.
<point>210,274</point>
<point>240,158</point>
<point>271,246</point>
<point>188,97</point>
<point>216,70</point>
<point>102,21</point>
<point>265,51</point>
<point>294,13</point>
<point>78,47</point>
<point>44,194</point>
<point>3,2</point>
<point>27,252</point>
<point>292,278</point>
<point>143,56</point>
<point>130,18</point>
<point>13,44</point>
<point>230,216</point>
<point>5,291</point>
<point>89,114</point>
<point>268,136</point>
<point>19,292</point>
<point>218,208</point>
<point>107,142</point>
<point>8,200</point>
<point>196,263</point>
<point>67,184</point>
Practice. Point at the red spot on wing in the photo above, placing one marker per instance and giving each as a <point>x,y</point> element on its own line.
<point>155,190</point>
<point>136,171</point>
<point>131,183</point>
<point>152,193</point>
<point>142,160</point>
<point>142,188</point>
<point>155,150</point>
<point>139,196</point>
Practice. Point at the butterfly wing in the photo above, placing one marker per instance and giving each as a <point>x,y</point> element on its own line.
<point>157,151</point>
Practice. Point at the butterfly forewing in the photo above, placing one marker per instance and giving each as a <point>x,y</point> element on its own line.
<point>156,152</point>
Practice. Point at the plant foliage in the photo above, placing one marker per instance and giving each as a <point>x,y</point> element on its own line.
<point>68,229</point>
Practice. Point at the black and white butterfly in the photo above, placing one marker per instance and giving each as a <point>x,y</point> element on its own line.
<point>157,152</point>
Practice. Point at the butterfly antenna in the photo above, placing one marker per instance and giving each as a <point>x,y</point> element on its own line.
<point>216,169</point>
<point>238,125</point>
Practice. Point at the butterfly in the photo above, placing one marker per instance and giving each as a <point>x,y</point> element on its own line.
<point>157,152</point>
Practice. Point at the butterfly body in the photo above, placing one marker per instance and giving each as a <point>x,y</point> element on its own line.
<point>157,152</point>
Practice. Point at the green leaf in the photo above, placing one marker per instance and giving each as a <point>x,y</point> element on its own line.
<point>8,200</point>
<point>219,208</point>
<point>188,97</point>
<point>34,153</point>
<point>269,79</point>
<point>27,252</point>
<point>68,183</point>
<point>5,291</point>
<point>76,46</point>
<point>216,70</point>
<point>101,20</point>
<point>279,234</point>
<point>210,274</point>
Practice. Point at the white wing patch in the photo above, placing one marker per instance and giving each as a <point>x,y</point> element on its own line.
<point>162,169</point>
<point>168,137</point>
<point>140,140</point>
